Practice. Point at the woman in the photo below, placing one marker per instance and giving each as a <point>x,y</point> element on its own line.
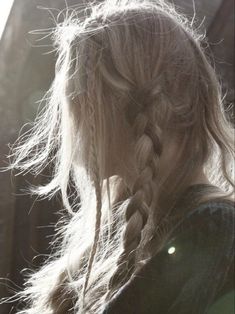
<point>142,155</point>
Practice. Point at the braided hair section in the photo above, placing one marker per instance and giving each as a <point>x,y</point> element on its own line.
<point>93,166</point>
<point>147,152</point>
<point>62,298</point>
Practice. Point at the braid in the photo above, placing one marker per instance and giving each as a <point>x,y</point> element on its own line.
<point>61,299</point>
<point>147,151</point>
<point>90,62</point>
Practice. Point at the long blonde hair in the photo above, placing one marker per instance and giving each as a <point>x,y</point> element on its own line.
<point>130,76</point>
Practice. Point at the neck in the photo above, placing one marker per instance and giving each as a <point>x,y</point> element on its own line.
<point>201,178</point>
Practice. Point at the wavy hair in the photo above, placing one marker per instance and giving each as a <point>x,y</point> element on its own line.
<point>131,77</point>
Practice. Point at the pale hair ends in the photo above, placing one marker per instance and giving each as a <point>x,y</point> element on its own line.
<point>130,77</point>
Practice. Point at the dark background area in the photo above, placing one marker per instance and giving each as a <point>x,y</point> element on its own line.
<point>26,72</point>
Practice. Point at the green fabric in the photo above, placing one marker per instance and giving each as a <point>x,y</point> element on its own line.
<point>225,305</point>
<point>196,274</point>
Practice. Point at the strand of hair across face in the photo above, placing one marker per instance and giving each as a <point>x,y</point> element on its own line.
<point>147,151</point>
<point>59,299</point>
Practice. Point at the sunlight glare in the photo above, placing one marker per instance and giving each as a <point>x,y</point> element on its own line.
<point>5,7</point>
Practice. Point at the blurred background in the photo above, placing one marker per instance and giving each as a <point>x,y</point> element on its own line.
<point>26,72</point>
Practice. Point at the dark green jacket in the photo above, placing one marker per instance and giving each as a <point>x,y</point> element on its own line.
<point>194,272</point>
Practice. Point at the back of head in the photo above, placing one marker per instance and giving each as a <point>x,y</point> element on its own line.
<point>135,111</point>
<point>140,69</point>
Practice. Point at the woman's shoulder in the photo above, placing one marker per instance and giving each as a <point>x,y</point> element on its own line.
<point>190,272</point>
<point>215,205</point>
<point>220,209</point>
<point>211,219</point>
<point>215,208</point>
<point>199,256</point>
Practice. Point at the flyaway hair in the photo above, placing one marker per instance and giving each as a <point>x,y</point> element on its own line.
<point>131,76</point>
